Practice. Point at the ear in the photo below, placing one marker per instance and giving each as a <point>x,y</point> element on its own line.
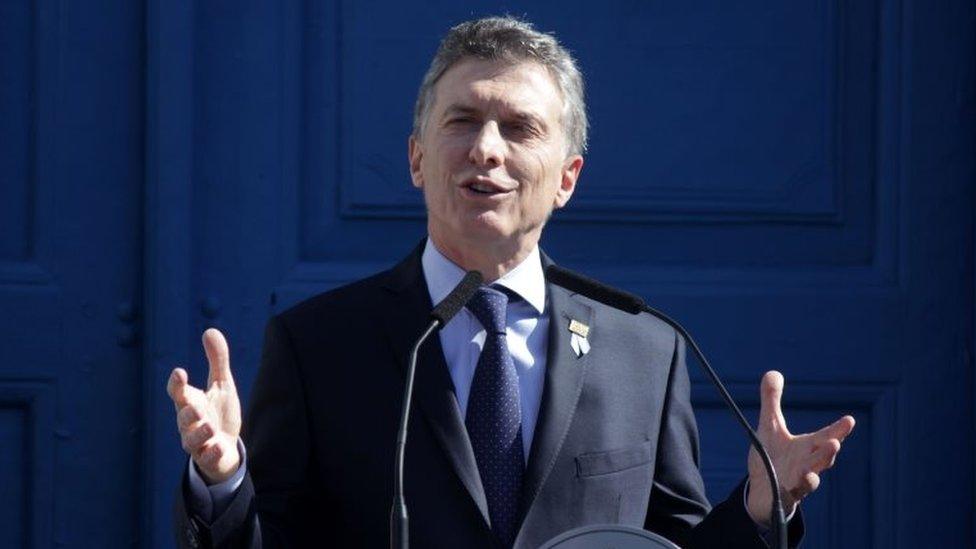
<point>415,154</point>
<point>572,167</point>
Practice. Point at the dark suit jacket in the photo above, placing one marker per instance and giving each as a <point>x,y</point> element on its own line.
<point>615,442</point>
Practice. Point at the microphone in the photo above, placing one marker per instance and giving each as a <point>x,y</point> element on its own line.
<point>633,304</point>
<point>439,316</point>
<point>458,298</point>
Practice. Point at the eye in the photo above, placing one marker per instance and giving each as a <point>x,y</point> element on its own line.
<point>521,128</point>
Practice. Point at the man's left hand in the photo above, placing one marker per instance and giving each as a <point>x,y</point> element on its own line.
<point>798,459</point>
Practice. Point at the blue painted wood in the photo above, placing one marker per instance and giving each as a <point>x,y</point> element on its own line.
<point>171,339</point>
<point>71,163</point>
<point>16,63</point>
<point>14,493</point>
<point>28,433</point>
<point>70,262</point>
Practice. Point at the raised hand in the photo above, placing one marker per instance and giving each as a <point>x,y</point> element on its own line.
<point>798,459</point>
<point>209,422</point>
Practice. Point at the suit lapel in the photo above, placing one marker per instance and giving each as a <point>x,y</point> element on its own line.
<point>434,393</point>
<point>565,372</point>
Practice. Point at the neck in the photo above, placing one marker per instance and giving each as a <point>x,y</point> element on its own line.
<point>493,260</point>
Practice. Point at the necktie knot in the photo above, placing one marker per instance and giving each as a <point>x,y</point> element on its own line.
<point>488,306</point>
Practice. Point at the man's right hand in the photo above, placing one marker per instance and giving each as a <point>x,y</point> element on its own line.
<point>209,422</point>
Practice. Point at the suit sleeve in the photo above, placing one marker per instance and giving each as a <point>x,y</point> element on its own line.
<point>678,507</point>
<point>273,504</point>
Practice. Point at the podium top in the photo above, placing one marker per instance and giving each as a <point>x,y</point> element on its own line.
<point>608,535</point>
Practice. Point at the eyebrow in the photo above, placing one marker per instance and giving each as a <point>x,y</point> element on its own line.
<point>459,109</point>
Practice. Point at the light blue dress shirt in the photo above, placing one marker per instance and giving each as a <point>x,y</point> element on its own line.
<point>527,325</point>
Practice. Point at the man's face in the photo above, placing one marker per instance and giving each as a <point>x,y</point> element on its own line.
<point>492,158</point>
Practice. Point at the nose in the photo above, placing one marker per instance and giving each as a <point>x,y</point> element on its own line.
<point>488,148</point>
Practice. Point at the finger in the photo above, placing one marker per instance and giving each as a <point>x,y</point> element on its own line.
<point>838,429</point>
<point>196,438</point>
<point>176,385</point>
<point>208,456</point>
<point>825,454</point>
<point>770,394</point>
<point>180,391</point>
<point>807,484</point>
<point>188,416</point>
<point>218,355</point>
<point>811,482</point>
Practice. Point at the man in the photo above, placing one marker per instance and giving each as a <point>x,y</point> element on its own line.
<point>540,410</point>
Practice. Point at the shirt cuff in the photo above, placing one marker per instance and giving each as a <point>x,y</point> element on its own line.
<point>763,529</point>
<point>211,501</point>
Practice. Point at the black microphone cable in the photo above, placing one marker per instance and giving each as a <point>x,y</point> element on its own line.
<point>634,305</point>
<point>439,316</point>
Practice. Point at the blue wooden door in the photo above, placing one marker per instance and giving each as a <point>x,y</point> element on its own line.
<point>71,172</point>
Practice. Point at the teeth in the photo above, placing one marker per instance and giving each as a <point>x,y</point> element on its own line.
<point>482,188</point>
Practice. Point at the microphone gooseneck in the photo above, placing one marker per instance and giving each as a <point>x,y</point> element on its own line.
<point>439,316</point>
<point>634,304</point>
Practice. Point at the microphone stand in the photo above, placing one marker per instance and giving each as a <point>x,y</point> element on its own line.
<point>441,315</point>
<point>399,527</point>
<point>778,518</point>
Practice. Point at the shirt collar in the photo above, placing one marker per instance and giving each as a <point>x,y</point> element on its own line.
<point>526,279</point>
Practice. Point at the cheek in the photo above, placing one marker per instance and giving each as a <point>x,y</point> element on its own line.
<point>446,162</point>
<point>546,176</point>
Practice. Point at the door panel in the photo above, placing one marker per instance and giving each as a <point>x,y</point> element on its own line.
<point>71,171</point>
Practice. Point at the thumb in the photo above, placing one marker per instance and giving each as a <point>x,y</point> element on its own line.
<point>771,393</point>
<point>218,355</point>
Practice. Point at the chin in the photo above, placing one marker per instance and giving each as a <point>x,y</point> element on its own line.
<point>486,230</point>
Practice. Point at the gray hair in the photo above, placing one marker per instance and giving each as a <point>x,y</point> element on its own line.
<point>512,40</point>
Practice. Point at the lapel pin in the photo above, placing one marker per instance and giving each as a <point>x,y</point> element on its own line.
<point>577,339</point>
<point>579,328</point>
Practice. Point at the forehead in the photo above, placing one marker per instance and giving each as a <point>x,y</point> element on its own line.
<point>483,84</point>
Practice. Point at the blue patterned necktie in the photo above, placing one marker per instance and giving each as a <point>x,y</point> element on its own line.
<point>494,416</point>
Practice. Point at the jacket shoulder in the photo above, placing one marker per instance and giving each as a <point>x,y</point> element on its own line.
<point>645,322</point>
<point>348,303</point>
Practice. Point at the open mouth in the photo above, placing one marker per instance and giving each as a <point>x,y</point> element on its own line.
<point>484,187</point>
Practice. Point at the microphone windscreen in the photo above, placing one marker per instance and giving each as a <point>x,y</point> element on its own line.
<point>458,298</point>
<point>594,290</point>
